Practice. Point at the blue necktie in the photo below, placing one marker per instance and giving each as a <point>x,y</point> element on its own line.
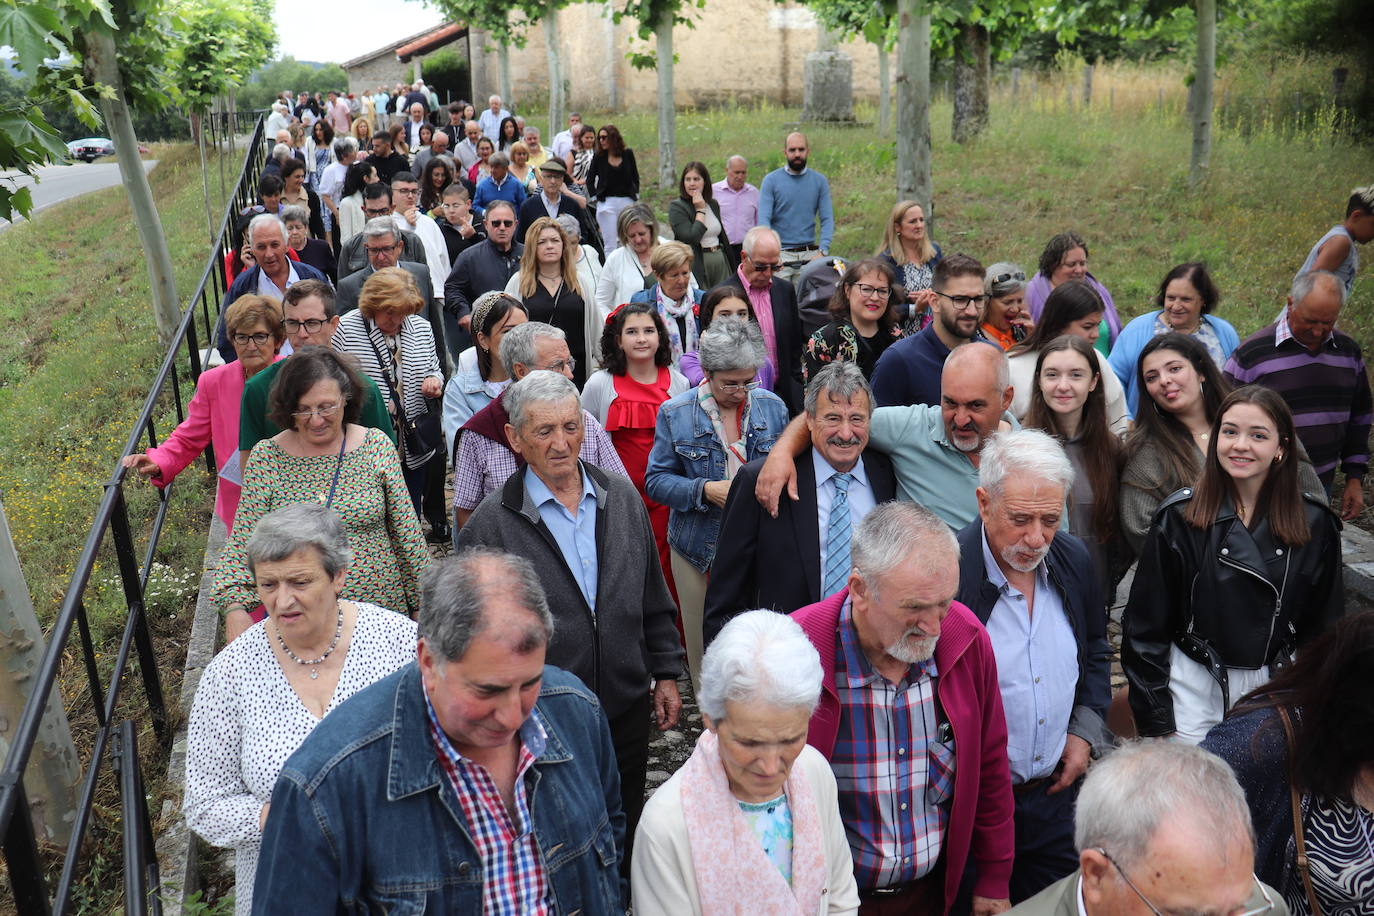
<point>837,539</point>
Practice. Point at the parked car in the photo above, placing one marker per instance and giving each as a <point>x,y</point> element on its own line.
<point>90,149</point>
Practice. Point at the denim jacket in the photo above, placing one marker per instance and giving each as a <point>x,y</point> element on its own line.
<point>363,819</point>
<point>686,454</point>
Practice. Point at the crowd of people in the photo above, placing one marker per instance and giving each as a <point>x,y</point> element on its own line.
<point>873,511</point>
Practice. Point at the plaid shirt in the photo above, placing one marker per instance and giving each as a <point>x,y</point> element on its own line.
<point>483,466</point>
<point>895,777</point>
<point>514,882</point>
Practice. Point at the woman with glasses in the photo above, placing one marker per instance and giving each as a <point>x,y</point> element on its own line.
<point>322,455</point>
<point>1072,308</point>
<point>1302,747</point>
<point>701,439</point>
<point>212,418</point>
<point>909,250</point>
<point>612,181</point>
<point>1005,319</point>
<point>863,324</point>
<point>727,301</point>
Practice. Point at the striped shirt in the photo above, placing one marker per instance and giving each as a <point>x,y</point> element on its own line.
<point>895,777</point>
<point>514,881</point>
<point>1328,392</point>
<point>413,350</point>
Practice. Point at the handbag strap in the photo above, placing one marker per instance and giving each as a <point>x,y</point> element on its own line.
<point>1295,798</point>
<point>338,466</point>
<point>386,376</point>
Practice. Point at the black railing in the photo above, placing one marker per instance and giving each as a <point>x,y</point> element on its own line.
<point>21,852</point>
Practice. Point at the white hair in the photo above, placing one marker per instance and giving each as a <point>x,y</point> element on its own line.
<point>752,237</point>
<point>893,533</point>
<point>539,387</point>
<point>1029,453</point>
<point>760,657</point>
<point>520,345</point>
<point>731,344</point>
<point>265,219</point>
<point>1304,283</point>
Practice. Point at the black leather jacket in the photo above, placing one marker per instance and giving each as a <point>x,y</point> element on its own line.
<point>1227,596</point>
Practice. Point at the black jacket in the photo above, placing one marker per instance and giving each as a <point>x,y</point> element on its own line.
<point>688,230</point>
<point>1226,596</point>
<point>533,208</point>
<point>787,327</point>
<point>1072,574</point>
<point>353,254</point>
<point>480,269</point>
<point>756,558</point>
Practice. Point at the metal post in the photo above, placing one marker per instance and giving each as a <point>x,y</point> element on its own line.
<point>21,852</point>
<point>133,597</point>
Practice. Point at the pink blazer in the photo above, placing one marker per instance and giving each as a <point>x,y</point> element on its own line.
<point>212,417</point>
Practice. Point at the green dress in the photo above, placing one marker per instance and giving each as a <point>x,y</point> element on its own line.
<point>371,499</point>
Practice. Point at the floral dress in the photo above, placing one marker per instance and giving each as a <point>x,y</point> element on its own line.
<point>371,499</point>
<point>840,340</point>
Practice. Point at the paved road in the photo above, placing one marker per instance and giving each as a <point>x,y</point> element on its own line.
<point>57,183</point>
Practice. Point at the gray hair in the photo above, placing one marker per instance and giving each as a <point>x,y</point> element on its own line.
<point>345,145</point>
<point>539,387</point>
<point>1304,283</point>
<point>379,226</point>
<point>730,159</point>
<point>1030,453</point>
<point>498,159</point>
<point>462,595</point>
<point>636,213</point>
<point>731,345</point>
<point>760,657</point>
<point>498,204</point>
<point>752,237</point>
<point>981,352</point>
<point>841,380</point>
<point>281,151</point>
<point>295,213</point>
<point>1142,784</point>
<point>1007,286</point>
<point>518,344</point>
<point>570,225</point>
<point>265,219</point>
<point>299,526</point>
<point>893,532</point>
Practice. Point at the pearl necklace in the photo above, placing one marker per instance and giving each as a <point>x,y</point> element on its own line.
<point>314,672</point>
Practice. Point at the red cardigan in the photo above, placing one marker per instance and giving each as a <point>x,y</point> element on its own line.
<point>980,821</point>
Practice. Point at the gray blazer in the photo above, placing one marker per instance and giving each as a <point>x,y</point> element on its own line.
<point>1061,899</point>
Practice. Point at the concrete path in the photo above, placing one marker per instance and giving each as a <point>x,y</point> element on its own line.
<point>57,183</point>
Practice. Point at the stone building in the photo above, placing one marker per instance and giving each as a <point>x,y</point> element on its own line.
<point>399,62</point>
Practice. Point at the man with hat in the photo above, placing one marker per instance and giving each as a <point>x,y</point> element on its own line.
<point>551,201</point>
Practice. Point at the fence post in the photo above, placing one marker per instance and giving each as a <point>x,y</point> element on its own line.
<point>1087,85</point>
<point>1015,82</point>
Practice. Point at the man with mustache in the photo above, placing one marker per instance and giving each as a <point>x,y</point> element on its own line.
<point>1033,587</point>
<point>839,482</point>
<point>911,721</point>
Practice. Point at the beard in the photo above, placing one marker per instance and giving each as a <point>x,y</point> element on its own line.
<point>1016,557</point>
<point>797,163</point>
<point>964,445</point>
<point>913,647</point>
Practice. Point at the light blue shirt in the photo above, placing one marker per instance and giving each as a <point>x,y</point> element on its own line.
<point>267,288</point>
<point>860,496</point>
<point>1037,670</point>
<point>791,203</point>
<point>575,535</point>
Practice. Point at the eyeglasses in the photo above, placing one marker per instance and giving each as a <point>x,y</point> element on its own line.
<point>870,292</point>
<point>257,340</point>
<point>1016,275</point>
<point>311,325</point>
<point>963,303</point>
<point>384,249</point>
<point>500,223</point>
<point>735,387</point>
<point>410,192</point>
<point>559,365</point>
<point>324,410</point>
<point>1268,906</point>
<point>762,266</point>
<point>379,211</point>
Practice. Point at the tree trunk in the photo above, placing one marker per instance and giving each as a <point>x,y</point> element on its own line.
<point>913,104</point>
<point>555,55</point>
<point>503,74</point>
<point>103,67</point>
<point>884,92</point>
<point>972,73</point>
<point>197,128</point>
<point>612,61</point>
<point>667,110</point>
<point>53,769</point>
<point>1203,87</point>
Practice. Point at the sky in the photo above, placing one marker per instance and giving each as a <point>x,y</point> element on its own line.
<point>343,29</point>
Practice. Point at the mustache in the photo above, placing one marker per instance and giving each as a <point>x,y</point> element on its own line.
<point>845,441</point>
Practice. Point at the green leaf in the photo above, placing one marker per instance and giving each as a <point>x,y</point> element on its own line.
<point>85,111</point>
<point>28,30</point>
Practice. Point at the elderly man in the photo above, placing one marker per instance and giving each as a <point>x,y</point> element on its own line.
<point>490,119</point>
<point>554,201</point>
<point>486,266</point>
<point>499,185</point>
<point>384,246</point>
<point>438,146</point>
<point>792,200</point>
<point>539,154</point>
<point>477,779</point>
<point>909,372</point>
<point>910,719</point>
<point>485,456</point>
<point>332,179</point>
<point>1320,372</point>
<point>1160,828</point>
<point>376,205</point>
<point>416,110</point>
<point>272,273</point>
<point>934,450</point>
<point>1034,589</point>
<point>775,306</point>
<point>588,534</point>
<point>563,140</point>
<point>839,482</point>
<point>406,214</point>
<point>738,200</point>
<point>466,150</point>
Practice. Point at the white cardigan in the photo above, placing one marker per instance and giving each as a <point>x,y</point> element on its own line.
<point>662,882</point>
<point>621,279</point>
<point>1022,367</point>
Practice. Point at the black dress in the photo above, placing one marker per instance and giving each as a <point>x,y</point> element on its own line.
<point>563,309</point>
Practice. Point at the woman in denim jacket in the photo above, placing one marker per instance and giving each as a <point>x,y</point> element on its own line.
<point>703,436</point>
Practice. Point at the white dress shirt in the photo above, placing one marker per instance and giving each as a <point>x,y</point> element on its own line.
<point>436,250</point>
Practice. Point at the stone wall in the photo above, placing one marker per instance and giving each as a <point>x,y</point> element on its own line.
<point>382,70</point>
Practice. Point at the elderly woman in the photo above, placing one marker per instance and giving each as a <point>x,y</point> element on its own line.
<point>263,695</point>
<point>480,377</point>
<point>314,252</point>
<point>628,268</point>
<point>701,439</point>
<point>1183,304</point>
<point>752,819</point>
<point>1005,320</point>
<point>296,192</point>
<point>322,455</point>
<point>212,417</point>
<point>395,347</point>
<point>674,296</point>
<point>1066,258</point>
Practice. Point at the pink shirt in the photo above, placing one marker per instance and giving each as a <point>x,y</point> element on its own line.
<point>762,300</point>
<point>739,210</point>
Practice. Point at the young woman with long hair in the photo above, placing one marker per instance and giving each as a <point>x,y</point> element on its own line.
<point>547,283</point>
<point>909,250</point>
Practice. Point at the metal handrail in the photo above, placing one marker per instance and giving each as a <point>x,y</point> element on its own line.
<point>111,517</point>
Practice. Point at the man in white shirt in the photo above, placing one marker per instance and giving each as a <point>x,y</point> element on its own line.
<point>406,215</point>
<point>466,150</point>
<point>417,120</point>
<point>332,179</point>
<point>490,120</point>
<point>563,140</point>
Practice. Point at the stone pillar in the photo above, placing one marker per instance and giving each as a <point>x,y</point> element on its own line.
<point>829,91</point>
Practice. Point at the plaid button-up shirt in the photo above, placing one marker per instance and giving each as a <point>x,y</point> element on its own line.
<point>895,775</point>
<point>514,882</point>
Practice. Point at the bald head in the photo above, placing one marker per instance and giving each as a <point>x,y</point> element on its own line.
<point>975,390</point>
<point>797,150</point>
<point>984,363</point>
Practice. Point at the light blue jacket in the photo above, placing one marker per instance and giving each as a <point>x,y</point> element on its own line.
<point>465,394</point>
<point>1141,330</point>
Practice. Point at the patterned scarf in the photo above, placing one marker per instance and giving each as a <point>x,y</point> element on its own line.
<point>736,456</point>
<point>671,312</point>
